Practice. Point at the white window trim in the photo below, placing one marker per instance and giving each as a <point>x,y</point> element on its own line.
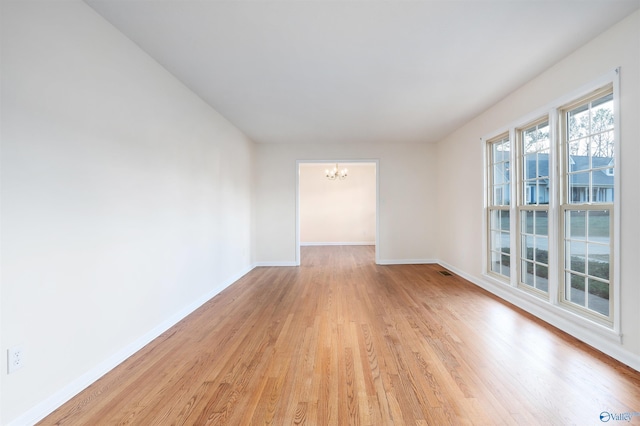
<point>553,305</point>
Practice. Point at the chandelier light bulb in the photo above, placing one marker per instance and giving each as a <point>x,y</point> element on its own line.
<point>336,173</point>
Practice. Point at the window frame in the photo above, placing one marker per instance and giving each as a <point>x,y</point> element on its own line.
<point>523,205</point>
<point>492,206</point>
<point>589,205</point>
<point>551,303</point>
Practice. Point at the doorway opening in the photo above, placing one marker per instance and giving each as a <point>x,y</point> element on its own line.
<point>337,212</point>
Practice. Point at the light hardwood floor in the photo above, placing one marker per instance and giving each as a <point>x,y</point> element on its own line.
<point>342,341</point>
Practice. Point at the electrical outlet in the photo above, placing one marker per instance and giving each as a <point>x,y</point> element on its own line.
<point>15,359</point>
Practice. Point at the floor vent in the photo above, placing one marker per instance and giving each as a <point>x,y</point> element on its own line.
<point>445,273</point>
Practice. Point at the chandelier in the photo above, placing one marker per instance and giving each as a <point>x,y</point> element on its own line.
<point>336,173</point>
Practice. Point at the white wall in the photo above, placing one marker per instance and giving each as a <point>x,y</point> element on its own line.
<point>126,201</point>
<point>337,211</point>
<point>407,192</point>
<point>460,196</point>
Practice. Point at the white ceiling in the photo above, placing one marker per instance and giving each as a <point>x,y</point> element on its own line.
<point>324,71</point>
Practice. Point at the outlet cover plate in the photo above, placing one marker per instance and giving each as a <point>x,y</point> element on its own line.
<point>15,359</point>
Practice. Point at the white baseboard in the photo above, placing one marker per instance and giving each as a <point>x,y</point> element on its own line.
<point>337,243</point>
<point>405,261</point>
<point>50,404</point>
<point>275,263</point>
<point>601,338</point>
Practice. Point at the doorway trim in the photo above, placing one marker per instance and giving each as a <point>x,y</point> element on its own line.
<point>376,163</point>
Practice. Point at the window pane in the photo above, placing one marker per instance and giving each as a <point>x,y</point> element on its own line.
<point>599,296</point>
<point>602,114</point>
<point>542,159</point>
<point>543,136</point>
<point>494,217</point>
<point>527,273</point>
<point>578,122</point>
<point>543,192</point>
<point>530,166</point>
<point>542,275</point>
<point>504,242</point>
<point>500,220</point>
<point>577,224</point>
<point>542,222</point>
<point>536,138</point>
<point>495,262</point>
<point>529,192</point>
<point>535,192</point>
<point>529,139</point>
<point>575,289</point>
<point>504,220</point>
<point>500,263</point>
<point>579,187</point>
<point>542,250</point>
<point>602,148</point>
<point>527,217</point>
<point>500,151</point>
<point>528,247</point>
<point>598,262</point>
<point>506,195</point>
<point>599,226</point>
<point>496,153</point>
<point>579,155</point>
<point>496,240</point>
<point>506,262</point>
<point>497,196</point>
<point>499,174</point>
<point>576,256</point>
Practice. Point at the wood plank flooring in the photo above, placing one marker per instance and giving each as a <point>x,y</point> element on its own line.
<point>342,341</point>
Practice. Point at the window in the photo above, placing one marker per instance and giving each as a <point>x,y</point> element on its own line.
<point>587,204</point>
<point>534,147</point>
<point>499,154</point>
<point>554,240</point>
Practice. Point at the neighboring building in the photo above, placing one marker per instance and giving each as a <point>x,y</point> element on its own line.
<point>579,176</point>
